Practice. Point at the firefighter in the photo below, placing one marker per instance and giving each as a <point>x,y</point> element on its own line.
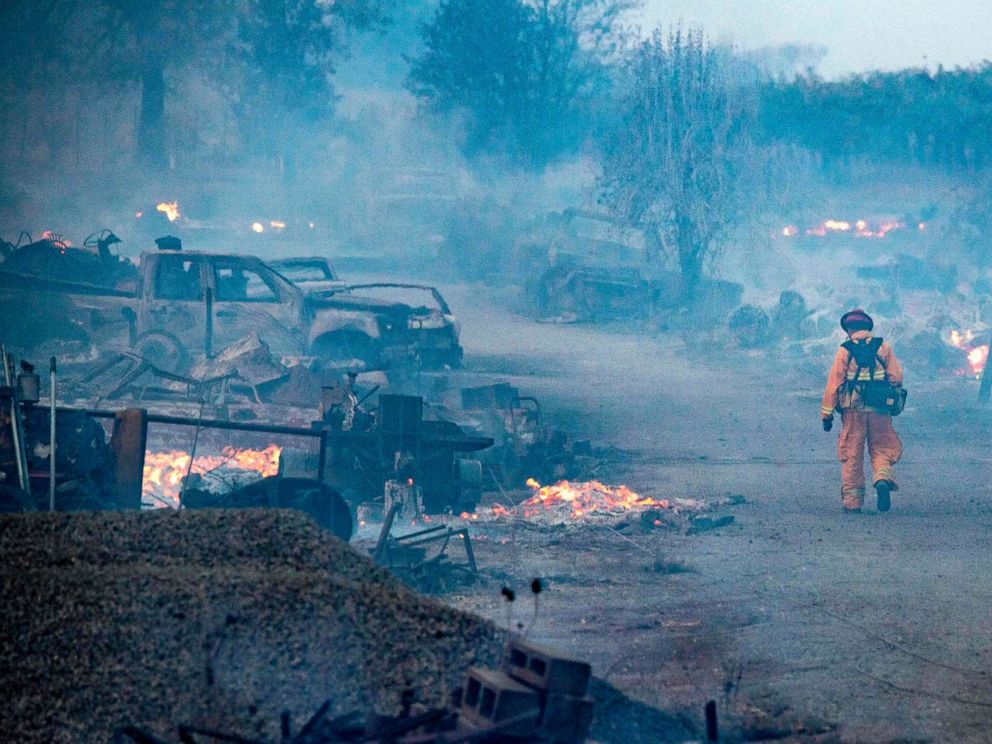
<point>859,360</point>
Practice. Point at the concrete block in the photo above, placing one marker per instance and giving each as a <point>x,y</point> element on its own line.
<point>545,670</point>
<point>491,697</point>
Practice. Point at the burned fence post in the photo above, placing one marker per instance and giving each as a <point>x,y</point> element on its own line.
<point>128,442</point>
<point>322,455</point>
<point>16,421</point>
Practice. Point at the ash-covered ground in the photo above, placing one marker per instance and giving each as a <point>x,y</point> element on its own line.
<point>642,237</point>
<point>801,620</point>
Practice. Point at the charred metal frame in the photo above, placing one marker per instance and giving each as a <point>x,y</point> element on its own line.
<point>130,434</point>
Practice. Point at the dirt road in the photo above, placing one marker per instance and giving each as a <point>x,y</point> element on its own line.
<point>799,619</point>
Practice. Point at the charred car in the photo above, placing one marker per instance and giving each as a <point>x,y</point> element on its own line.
<point>434,330</point>
<point>51,255</point>
<point>186,302</point>
<point>313,274</point>
<point>595,268</point>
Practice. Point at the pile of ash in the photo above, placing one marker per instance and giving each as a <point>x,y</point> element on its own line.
<point>219,618</point>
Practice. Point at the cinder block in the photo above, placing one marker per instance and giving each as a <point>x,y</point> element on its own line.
<point>491,697</point>
<point>544,670</point>
<point>566,719</point>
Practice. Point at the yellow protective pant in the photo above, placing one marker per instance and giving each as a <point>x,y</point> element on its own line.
<point>884,448</point>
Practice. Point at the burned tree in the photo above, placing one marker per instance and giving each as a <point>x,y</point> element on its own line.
<point>523,75</point>
<point>275,58</point>
<point>673,165</point>
<point>288,50</point>
<point>143,42</point>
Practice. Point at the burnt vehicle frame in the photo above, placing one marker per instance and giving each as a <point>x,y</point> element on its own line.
<point>188,301</point>
<point>435,329</point>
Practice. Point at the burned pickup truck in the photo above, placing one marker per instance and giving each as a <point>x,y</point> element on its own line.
<point>184,303</point>
<point>434,330</point>
<point>313,274</point>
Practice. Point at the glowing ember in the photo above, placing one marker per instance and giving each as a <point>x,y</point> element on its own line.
<point>56,240</point>
<point>837,225</point>
<point>976,354</point>
<point>257,227</point>
<point>960,340</point>
<point>164,471</point>
<point>861,228</point>
<point>977,358</point>
<point>586,499</point>
<point>886,227</point>
<point>170,209</point>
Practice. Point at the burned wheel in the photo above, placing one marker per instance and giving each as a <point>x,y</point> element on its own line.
<point>323,504</point>
<point>163,350</point>
<point>320,502</point>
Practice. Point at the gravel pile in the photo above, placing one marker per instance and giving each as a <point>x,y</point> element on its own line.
<point>218,618</point>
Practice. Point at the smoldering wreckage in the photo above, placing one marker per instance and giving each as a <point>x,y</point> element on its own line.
<point>200,381</point>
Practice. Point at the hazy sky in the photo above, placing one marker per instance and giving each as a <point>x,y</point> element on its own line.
<point>860,34</point>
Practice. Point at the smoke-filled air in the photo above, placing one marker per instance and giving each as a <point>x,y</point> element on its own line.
<point>508,371</point>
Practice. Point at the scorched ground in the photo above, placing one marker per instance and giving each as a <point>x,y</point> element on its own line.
<point>797,619</point>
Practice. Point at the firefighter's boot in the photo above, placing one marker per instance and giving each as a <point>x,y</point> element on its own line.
<point>882,489</point>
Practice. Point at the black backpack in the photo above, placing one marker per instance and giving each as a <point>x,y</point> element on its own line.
<point>878,394</point>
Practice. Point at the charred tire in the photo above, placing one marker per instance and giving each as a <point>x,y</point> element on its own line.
<point>323,504</point>
<point>342,346</point>
<point>163,350</point>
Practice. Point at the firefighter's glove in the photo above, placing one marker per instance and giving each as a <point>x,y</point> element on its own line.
<point>828,423</point>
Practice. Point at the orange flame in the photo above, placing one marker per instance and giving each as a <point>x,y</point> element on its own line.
<point>860,228</point>
<point>170,209</point>
<point>164,471</point>
<point>961,339</point>
<point>590,497</point>
<point>836,225</point>
<point>56,240</point>
<point>977,355</point>
<point>977,358</point>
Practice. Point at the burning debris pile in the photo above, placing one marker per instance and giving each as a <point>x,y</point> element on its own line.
<point>169,209</point>
<point>569,503</point>
<point>860,228</point>
<point>164,471</point>
<point>222,619</point>
<point>591,500</point>
<point>977,353</point>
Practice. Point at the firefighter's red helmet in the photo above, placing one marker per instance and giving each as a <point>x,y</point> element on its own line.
<point>856,320</point>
